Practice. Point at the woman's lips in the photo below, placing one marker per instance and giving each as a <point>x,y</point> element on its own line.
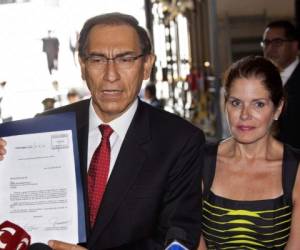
<point>245,128</point>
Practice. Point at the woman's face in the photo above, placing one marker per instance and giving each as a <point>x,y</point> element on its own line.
<point>250,110</point>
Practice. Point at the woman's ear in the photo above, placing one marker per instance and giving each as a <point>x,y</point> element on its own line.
<point>279,109</point>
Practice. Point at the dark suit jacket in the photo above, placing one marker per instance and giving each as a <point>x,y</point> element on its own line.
<point>289,121</point>
<point>151,187</point>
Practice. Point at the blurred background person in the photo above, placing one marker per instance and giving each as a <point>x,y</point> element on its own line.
<point>48,103</point>
<point>280,44</point>
<point>2,85</point>
<point>73,45</point>
<point>73,96</point>
<point>57,93</point>
<point>4,116</point>
<point>51,48</point>
<point>150,96</point>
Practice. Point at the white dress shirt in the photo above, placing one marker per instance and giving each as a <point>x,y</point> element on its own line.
<point>120,126</point>
<point>287,72</point>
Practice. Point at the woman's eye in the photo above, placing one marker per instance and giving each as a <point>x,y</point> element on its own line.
<point>259,104</point>
<point>235,103</point>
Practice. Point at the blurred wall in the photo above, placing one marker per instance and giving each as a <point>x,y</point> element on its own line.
<point>241,24</point>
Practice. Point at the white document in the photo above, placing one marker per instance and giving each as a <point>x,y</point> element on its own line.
<point>38,185</point>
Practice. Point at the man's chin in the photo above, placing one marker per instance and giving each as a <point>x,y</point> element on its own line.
<point>274,60</point>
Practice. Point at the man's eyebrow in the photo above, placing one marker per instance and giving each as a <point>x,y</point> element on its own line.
<point>126,53</point>
<point>96,54</point>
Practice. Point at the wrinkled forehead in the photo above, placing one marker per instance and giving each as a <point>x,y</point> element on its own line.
<point>117,36</point>
<point>112,40</point>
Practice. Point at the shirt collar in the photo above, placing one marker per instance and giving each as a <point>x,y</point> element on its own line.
<point>120,125</point>
<point>287,72</point>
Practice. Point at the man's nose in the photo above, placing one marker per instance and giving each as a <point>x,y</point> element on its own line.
<point>269,51</point>
<point>111,71</point>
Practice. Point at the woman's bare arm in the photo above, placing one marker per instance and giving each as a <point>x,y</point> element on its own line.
<point>202,245</point>
<point>294,239</point>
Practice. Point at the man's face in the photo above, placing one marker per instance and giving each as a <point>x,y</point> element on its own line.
<point>114,86</point>
<point>278,49</point>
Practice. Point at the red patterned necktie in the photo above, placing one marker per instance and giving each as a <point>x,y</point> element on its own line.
<point>98,172</point>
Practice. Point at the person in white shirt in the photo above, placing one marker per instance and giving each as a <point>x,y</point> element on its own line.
<point>281,44</point>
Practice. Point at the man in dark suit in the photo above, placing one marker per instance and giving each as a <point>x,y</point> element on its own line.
<point>150,189</point>
<point>280,44</point>
<point>150,96</point>
<point>51,48</point>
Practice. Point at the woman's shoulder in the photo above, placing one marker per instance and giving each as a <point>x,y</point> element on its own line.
<point>210,146</point>
<point>211,151</point>
<point>225,147</point>
<point>291,174</point>
<point>294,173</point>
<point>292,151</point>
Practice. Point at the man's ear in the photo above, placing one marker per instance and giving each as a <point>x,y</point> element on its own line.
<point>148,64</point>
<point>295,45</point>
<point>82,67</point>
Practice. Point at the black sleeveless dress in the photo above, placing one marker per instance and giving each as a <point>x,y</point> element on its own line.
<point>262,224</point>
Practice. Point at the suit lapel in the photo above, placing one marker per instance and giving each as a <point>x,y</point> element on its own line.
<point>128,164</point>
<point>292,79</point>
<point>82,115</point>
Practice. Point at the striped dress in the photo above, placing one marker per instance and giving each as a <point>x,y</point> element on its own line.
<point>262,224</point>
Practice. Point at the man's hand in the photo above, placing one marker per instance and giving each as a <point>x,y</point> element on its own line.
<point>2,148</point>
<point>59,245</point>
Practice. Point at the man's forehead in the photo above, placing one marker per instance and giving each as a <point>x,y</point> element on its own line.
<point>106,27</point>
<point>113,35</point>
<point>275,32</point>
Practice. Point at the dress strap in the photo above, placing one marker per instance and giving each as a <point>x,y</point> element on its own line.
<point>209,165</point>
<point>291,159</point>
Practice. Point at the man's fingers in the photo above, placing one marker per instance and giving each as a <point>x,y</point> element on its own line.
<point>2,148</point>
<point>2,142</point>
<point>59,245</point>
